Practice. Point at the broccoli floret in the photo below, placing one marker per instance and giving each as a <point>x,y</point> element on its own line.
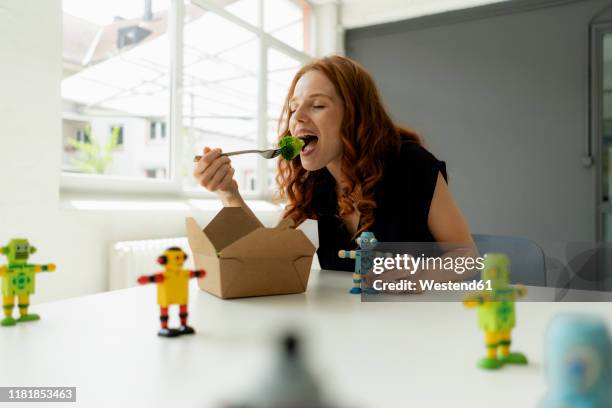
<point>290,147</point>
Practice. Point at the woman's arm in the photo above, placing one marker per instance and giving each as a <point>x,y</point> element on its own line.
<point>447,225</point>
<point>445,221</point>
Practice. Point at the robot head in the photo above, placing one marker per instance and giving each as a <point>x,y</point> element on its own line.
<point>173,256</point>
<point>496,270</point>
<point>578,356</point>
<point>18,251</point>
<point>366,240</point>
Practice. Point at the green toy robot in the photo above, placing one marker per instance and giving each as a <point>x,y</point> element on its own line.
<point>18,280</point>
<point>496,312</point>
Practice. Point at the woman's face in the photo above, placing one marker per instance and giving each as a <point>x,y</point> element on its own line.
<point>317,111</point>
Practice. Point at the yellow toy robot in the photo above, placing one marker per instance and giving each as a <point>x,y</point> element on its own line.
<point>172,289</point>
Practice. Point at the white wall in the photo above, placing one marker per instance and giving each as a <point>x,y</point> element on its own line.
<point>360,13</point>
<point>30,155</point>
<point>329,31</point>
<point>333,17</point>
<point>29,125</point>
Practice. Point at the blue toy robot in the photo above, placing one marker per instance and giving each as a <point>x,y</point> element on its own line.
<point>364,259</point>
<point>578,363</point>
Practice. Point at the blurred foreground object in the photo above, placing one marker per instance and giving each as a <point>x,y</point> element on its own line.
<point>496,314</point>
<point>287,384</point>
<point>578,363</point>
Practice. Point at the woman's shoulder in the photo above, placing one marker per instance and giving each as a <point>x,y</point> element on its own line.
<point>416,159</point>
<point>408,187</point>
<point>410,149</point>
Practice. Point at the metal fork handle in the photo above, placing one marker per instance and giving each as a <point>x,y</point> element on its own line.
<point>198,157</point>
<point>241,152</point>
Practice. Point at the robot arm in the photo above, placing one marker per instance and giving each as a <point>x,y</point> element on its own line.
<point>519,291</point>
<point>157,278</point>
<point>347,254</point>
<point>44,268</point>
<point>200,273</point>
<point>473,300</point>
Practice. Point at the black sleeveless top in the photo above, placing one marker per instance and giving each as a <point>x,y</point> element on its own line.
<point>403,197</point>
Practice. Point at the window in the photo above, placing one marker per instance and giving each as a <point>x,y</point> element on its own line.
<point>116,135</point>
<point>131,35</point>
<point>152,131</point>
<point>281,69</point>
<point>75,130</point>
<point>220,92</point>
<point>82,136</point>
<point>289,21</point>
<point>115,75</point>
<point>117,58</point>
<point>157,130</point>
<point>155,172</point>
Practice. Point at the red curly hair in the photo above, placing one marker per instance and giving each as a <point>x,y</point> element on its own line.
<point>367,135</point>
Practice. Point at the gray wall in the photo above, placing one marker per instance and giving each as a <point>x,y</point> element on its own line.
<point>501,95</point>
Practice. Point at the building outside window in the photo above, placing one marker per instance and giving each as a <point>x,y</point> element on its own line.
<point>236,70</point>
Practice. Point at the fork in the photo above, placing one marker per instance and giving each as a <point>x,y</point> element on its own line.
<point>266,154</point>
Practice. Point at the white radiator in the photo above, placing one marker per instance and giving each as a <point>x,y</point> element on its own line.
<point>130,259</point>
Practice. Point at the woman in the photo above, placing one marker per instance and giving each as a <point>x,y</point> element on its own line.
<point>358,172</point>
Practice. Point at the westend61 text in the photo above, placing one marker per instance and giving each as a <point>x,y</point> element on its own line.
<point>407,285</point>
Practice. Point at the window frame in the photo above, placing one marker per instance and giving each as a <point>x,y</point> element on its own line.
<point>173,185</point>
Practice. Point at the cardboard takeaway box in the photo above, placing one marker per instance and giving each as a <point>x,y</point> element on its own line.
<point>243,258</point>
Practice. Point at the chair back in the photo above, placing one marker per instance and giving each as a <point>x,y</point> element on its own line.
<point>527,264</point>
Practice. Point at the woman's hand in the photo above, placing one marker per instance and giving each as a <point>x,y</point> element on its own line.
<point>215,173</point>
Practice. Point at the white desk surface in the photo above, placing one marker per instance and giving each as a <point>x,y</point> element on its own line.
<point>398,354</point>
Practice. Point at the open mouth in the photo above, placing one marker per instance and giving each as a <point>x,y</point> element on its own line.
<point>310,142</point>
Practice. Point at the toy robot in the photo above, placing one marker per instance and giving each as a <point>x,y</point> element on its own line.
<point>172,289</point>
<point>578,363</point>
<point>18,280</point>
<point>496,312</point>
<point>364,259</point>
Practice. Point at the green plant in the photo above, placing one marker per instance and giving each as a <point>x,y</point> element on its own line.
<point>96,158</point>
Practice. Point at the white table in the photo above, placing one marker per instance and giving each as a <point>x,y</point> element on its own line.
<point>364,354</point>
